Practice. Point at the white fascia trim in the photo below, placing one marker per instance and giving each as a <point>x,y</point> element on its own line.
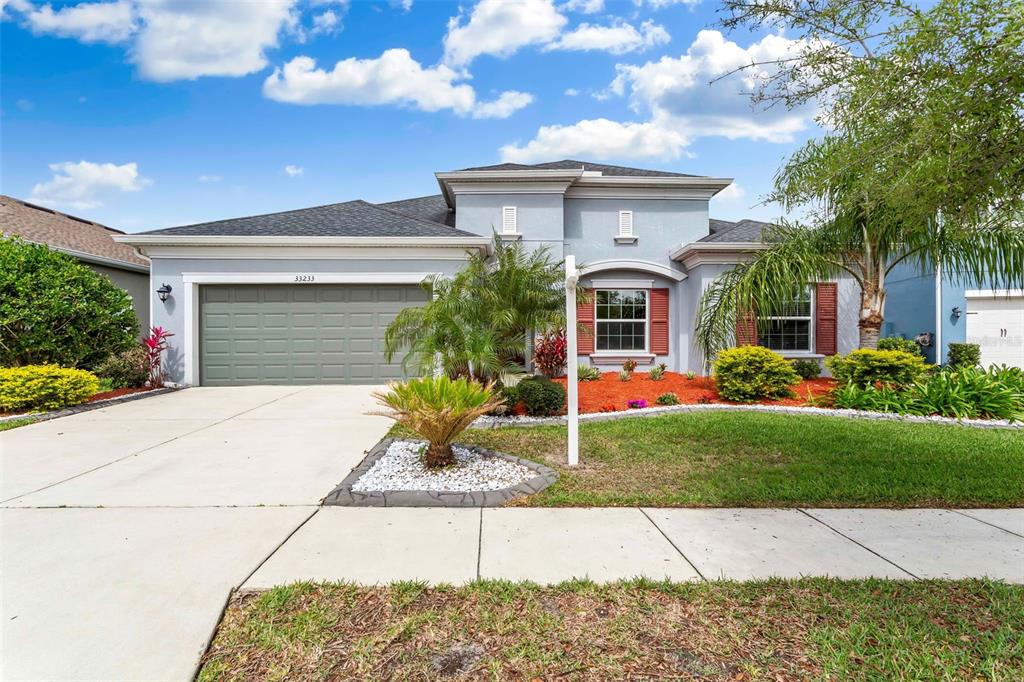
<point>445,179</point>
<point>97,260</point>
<point>357,242</point>
<point>638,265</point>
<point>714,252</point>
<point>993,293</point>
<point>714,185</point>
<point>290,277</point>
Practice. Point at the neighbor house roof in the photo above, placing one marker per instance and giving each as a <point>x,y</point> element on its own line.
<point>433,208</point>
<point>571,164</point>
<point>735,232</point>
<point>76,236</point>
<point>349,219</point>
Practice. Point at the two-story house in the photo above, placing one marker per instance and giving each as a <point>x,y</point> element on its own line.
<point>304,296</point>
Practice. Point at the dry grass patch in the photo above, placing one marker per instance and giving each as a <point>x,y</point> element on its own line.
<point>777,630</point>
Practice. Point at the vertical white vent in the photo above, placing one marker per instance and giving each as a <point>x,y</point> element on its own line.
<point>625,223</point>
<point>508,220</point>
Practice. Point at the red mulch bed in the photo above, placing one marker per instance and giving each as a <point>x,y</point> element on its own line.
<point>599,396</point>
<point>116,393</point>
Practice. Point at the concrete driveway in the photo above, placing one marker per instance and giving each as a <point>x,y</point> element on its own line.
<point>124,529</point>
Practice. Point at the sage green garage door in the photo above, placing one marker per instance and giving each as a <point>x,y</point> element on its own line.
<point>299,334</point>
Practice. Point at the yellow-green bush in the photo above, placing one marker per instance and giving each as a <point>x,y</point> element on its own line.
<point>866,367</point>
<point>44,387</point>
<point>749,373</point>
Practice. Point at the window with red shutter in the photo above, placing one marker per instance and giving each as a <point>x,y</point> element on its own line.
<point>659,321</point>
<point>825,314</point>
<point>585,320</point>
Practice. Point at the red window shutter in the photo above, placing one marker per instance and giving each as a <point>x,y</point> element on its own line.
<point>585,320</point>
<point>825,318</point>
<point>659,321</point>
<point>746,329</point>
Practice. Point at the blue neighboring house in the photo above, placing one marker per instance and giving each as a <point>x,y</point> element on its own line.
<point>951,310</point>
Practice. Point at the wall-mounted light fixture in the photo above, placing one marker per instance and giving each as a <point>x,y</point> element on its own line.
<point>164,291</point>
<point>957,312</point>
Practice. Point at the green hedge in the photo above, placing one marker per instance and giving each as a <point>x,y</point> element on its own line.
<point>44,387</point>
<point>866,367</point>
<point>541,396</point>
<point>750,373</point>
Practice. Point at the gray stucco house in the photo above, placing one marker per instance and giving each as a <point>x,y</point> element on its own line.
<point>304,296</point>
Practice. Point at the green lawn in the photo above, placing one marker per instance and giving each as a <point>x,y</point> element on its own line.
<point>777,630</point>
<point>767,460</point>
<point>15,423</point>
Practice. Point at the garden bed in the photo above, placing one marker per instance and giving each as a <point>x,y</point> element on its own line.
<point>610,394</point>
<point>94,402</point>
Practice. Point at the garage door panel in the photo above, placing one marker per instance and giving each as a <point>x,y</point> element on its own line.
<point>299,333</point>
<point>996,324</point>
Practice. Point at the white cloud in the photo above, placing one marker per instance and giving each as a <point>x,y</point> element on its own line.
<point>733,192</point>
<point>79,185</point>
<point>507,103</point>
<point>617,38</point>
<point>571,92</point>
<point>405,5</point>
<point>393,78</point>
<point>90,22</point>
<point>681,104</point>
<point>188,40</point>
<point>599,139</point>
<point>500,28</point>
<point>326,22</point>
<point>584,6</point>
<point>209,178</point>
<point>662,4</point>
<point>294,171</point>
<point>25,104</point>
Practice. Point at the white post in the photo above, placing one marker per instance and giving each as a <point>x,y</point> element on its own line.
<point>571,375</point>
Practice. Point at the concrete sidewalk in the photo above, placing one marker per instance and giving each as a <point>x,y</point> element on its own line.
<point>372,545</point>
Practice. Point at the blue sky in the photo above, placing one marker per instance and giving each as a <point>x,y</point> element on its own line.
<point>149,113</point>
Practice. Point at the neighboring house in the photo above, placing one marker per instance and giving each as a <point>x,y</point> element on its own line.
<point>954,311</point>
<point>304,296</point>
<point>89,242</point>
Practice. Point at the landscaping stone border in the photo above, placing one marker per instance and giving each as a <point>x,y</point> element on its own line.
<point>344,496</point>
<point>488,422</point>
<point>86,407</point>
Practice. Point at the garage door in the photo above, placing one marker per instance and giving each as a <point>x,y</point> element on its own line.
<point>299,334</point>
<point>996,324</point>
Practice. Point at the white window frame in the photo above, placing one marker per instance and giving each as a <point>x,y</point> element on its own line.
<point>646,320</point>
<point>509,210</point>
<point>811,341</point>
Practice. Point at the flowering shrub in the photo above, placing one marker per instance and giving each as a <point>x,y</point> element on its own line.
<point>155,345</point>
<point>637,404</point>
<point>667,399</point>
<point>549,353</point>
<point>609,407</point>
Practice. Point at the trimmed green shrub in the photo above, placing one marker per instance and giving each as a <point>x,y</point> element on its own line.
<point>964,355</point>
<point>807,369</point>
<point>541,396</point>
<point>898,343</point>
<point>127,369</point>
<point>865,367</point>
<point>55,310</point>
<point>667,399</point>
<point>883,398</point>
<point>588,372</point>
<point>750,373</point>
<point>44,387</point>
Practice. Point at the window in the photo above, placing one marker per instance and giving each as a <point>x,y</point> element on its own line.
<point>508,220</point>
<point>788,328</point>
<point>621,318</point>
<point>625,223</point>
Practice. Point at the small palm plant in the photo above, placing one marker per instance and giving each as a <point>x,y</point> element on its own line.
<point>438,409</point>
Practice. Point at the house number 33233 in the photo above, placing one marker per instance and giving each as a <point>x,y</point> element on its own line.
<point>303,278</point>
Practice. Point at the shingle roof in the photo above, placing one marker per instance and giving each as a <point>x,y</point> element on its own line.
<point>741,231</point>
<point>433,208</point>
<point>571,164</point>
<point>64,232</point>
<point>349,219</point>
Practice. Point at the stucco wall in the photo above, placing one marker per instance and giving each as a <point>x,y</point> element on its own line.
<point>171,315</point>
<point>137,286</point>
<point>539,217</point>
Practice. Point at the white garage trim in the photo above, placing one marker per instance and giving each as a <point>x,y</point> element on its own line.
<point>190,297</point>
<point>993,293</point>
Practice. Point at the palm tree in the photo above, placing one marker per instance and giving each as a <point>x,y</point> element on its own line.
<point>853,234</point>
<point>476,323</point>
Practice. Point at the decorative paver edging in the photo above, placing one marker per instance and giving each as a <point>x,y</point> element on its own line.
<point>86,407</point>
<point>495,422</point>
<point>344,496</point>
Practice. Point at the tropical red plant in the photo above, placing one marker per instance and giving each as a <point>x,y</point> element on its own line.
<point>155,345</point>
<point>549,353</point>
